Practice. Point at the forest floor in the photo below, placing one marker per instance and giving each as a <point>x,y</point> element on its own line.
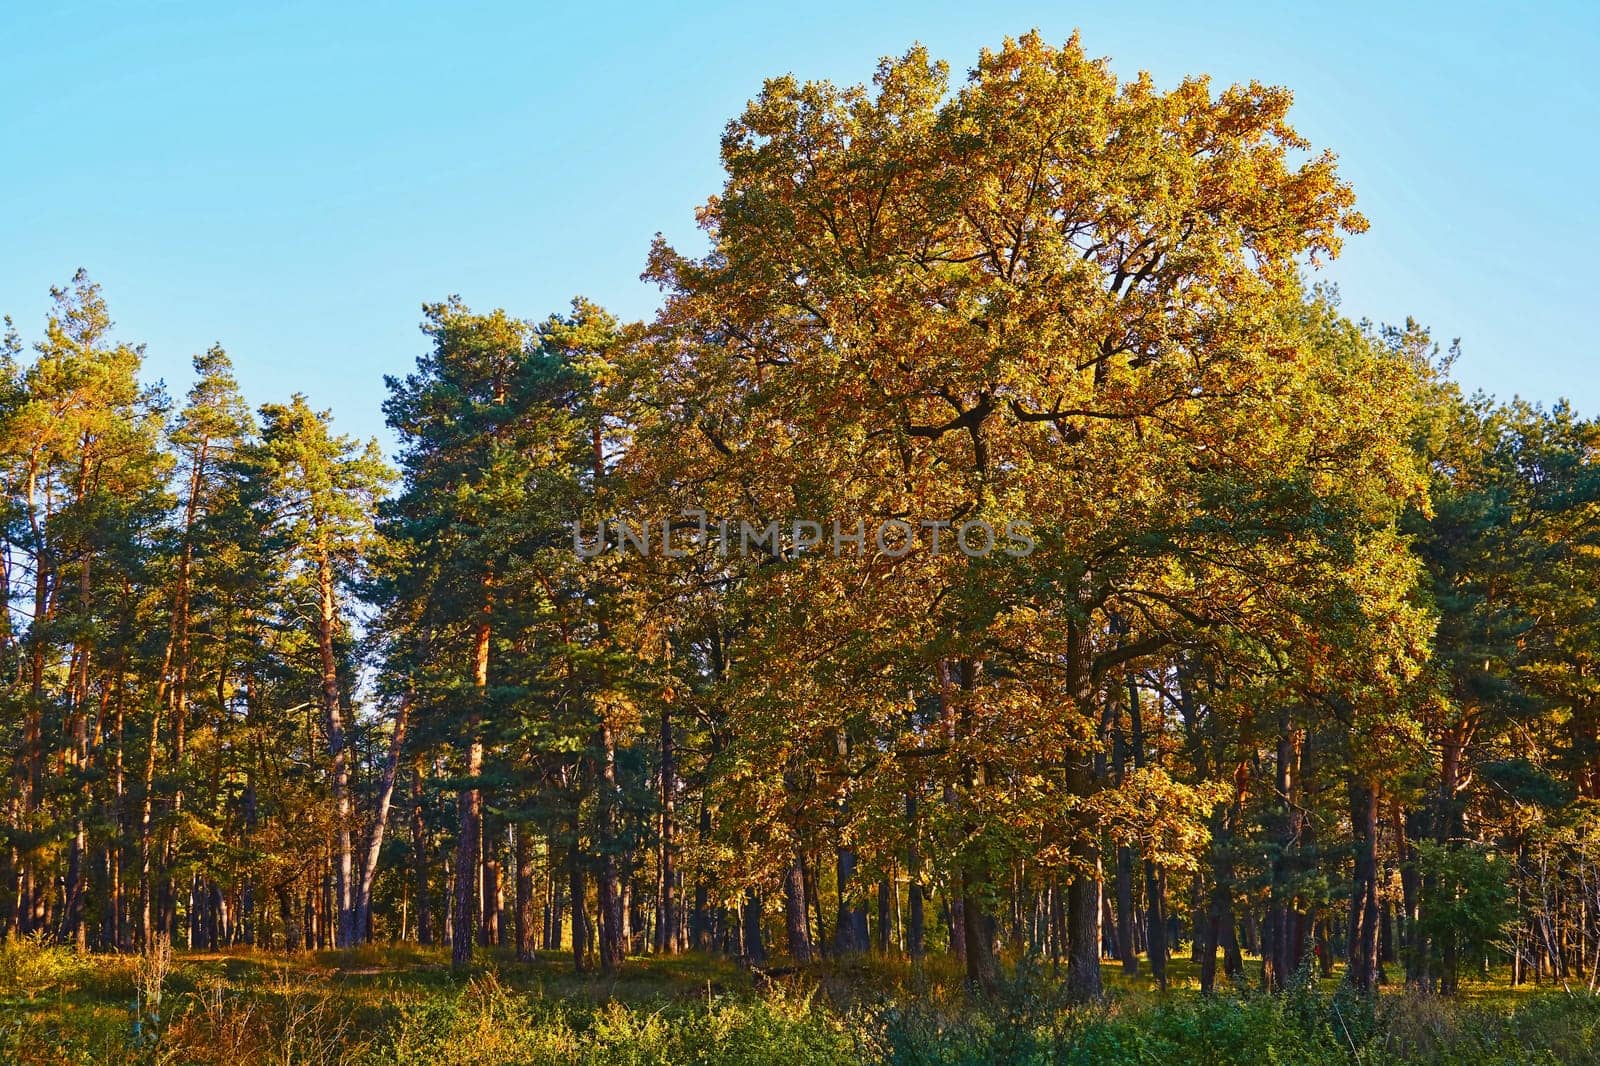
<point>405,1005</point>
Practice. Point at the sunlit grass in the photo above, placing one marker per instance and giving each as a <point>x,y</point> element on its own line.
<point>402,1003</point>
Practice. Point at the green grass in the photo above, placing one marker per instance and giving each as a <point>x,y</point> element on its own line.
<point>404,1005</point>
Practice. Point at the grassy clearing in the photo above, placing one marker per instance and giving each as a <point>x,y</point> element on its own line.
<point>404,1005</point>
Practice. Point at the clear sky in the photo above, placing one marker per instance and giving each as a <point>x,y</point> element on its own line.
<point>294,179</point>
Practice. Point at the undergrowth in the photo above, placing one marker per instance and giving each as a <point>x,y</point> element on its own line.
<point>404,1008</point>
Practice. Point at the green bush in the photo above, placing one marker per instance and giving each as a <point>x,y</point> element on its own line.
<point>32,965</point>
<point>1305,1027</point>
<point>487,1025</point>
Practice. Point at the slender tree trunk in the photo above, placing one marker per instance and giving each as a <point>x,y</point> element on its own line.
<point>883,915</point>
<point>30,763</point>
<point>1279,954</point>
<point>75,931</point>
<point>419,858</point>
<point>700,916</point>
<point>819,943</point>
<point>380,820</point>
<point>1363,972</point>
<point>1413,950</point>
<point>1215,920</point>
<point>333,715</point>
<point>527,907</point>
<point>1155,919</point>
<point>666,897</point>
<point>972,927</point>
<point>553,891</point>
<point>466,880</point>
<point>797,924</point>
<point>147,801</point>
<point>1447,830</point>
<point>1126,951</point>
<point>1083,983</point>
<point>915,919</point>
<point>754,950</point>
<point>1208,921</point>
<point>1058,925</point>
<point>289,918</point>
<point>469,804</point>
<point>609,896</point>
<point>580,916</point>
<point>850,927</point>
<point>489,883</point>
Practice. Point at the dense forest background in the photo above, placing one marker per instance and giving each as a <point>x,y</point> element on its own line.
<point>1303,664</point>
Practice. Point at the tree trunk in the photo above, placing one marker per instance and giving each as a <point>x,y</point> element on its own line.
<point>797,923</point>
<point>814,895</point>
<point>1280,954</point>
<point>609,896</point>
<point>1083,892</point>
<point>1214,920</point>
<point>754,951</point>
<point>1413,949</point>
<point>883,915</point>
<point>577,904</point>
<point>1155,921</point>
<point>1363,971</point>
<point>333,719</point>
<point>419,858</point>
<point>527,909</point>
<point>1447,830</point>
<point>977,935</point>
<point>380,821</point>
<point>468,813</point>
<point>1155,915</point>
<point>288,916</point>
<point>469,804</point>
<point>850,929</point>
<point>666,895</point>
<point>553,909</point>
<point>700,916</point>
<point>915,920</point>
<point>1083,938</point>
<point>1126,952</point>
<point>489,883</point>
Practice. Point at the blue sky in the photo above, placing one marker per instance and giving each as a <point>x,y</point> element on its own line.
<point>295,179</point>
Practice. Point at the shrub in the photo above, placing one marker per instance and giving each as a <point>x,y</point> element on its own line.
<point>485,1025</point>
<point>31,965</point>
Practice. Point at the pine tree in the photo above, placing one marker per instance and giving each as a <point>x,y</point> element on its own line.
<point>325,488</point>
